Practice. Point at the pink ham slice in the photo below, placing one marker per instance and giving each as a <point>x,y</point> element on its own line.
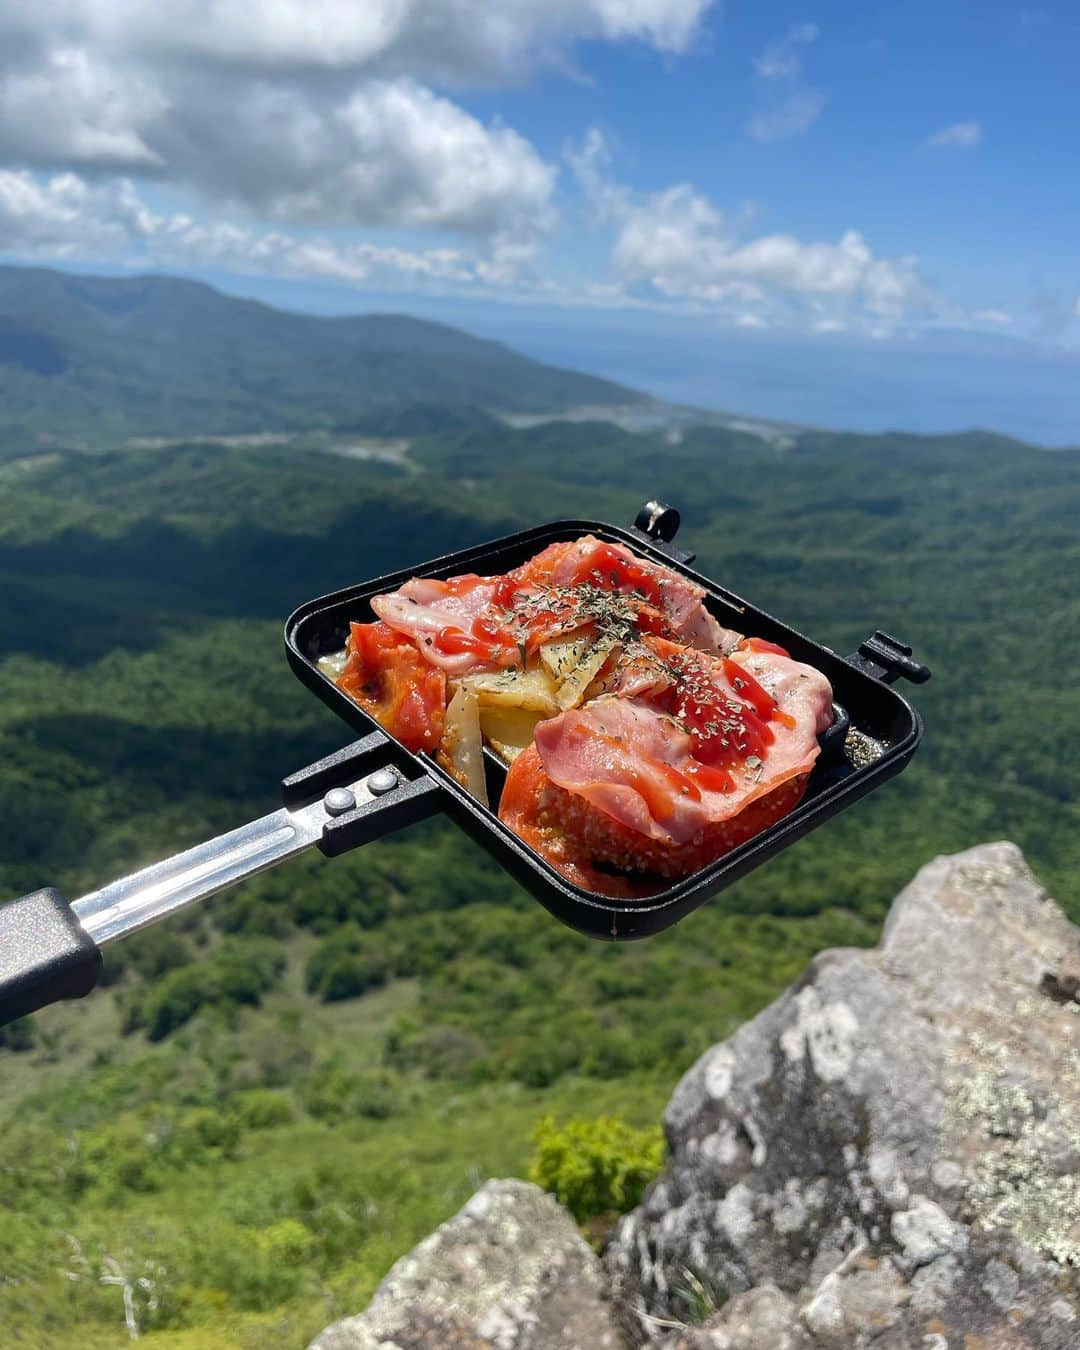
<point>683,603</point>
<point>631,761</point>
<point>424,606</point>
<point>800,690</point>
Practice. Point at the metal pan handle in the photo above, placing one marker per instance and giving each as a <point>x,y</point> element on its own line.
<point>49,949</point>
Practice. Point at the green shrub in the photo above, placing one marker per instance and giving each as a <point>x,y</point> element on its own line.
<point>204,1132</point>
<point>171,1002</point>
<point>333,1095</point>
<point>349,976</point>
<point>596,1167</point>
<point>337,1208</point>
<point>157,950</point>
<point>237,972</point>
<point>18,1035</point>
<point>261,1110</point>
<point>540,1058</point>
<point>452,1052</point>
<point>244,969</point>
<point>347,965</point>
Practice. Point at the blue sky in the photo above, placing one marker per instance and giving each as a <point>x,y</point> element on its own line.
<point>818,177</point>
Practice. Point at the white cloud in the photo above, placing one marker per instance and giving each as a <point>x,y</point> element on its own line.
<point>996,316</point>
<point>787,107</point>
<point>781,60</point>
<point>75,109</point>
<point>305,110</point>
<point>387,152</point>
<point>391,153</point>
<point>678,245</point>
<point>431,39</point>
<point>462,38</point>
<point>678,242</point>
<point>828,326</point>
<point>67,214</point>
<point>957,136</point>
<point>670,25</point>
<point>591,163</point>
<point>792,116</point>
<point>69,217</point>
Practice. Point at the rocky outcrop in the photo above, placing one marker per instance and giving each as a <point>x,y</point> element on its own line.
<point>508,1272</point>
<point>889,1155</point>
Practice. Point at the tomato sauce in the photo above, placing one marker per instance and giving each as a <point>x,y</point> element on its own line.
<point>392,682</point>
<point>609,570</point>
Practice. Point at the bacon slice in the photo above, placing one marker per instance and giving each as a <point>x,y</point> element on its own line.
<point>800,690</point>
<point>424,608</point>
<point>599,853</point>
<point>592,561</point>
<point>636,764</point>
<point>619,782</point>
<point>550,596</point>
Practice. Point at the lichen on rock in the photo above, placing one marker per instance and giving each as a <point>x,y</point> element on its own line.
<point>508,1272</point>
<point>893,1146</point>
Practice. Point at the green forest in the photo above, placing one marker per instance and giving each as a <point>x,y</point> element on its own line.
<point>278,1093</point>
<point>92,361</point>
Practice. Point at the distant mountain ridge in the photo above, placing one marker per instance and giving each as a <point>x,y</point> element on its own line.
<point>97,359</point>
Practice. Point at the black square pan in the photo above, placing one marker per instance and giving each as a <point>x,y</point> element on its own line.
<point>860,687</point>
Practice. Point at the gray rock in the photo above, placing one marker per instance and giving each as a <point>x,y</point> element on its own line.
<point>760,1318</point>
<point>889,1155</point>
<point>508,1272</point>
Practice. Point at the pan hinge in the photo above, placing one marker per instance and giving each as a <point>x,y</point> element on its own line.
<point>659,524</point>
<point>392,798</point>
<point>886,659</point>
<point>368,753</point>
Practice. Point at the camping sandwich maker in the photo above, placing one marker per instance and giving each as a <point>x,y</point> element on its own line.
<point>50,949</point>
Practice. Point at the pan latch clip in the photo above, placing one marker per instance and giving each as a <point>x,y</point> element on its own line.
<point>659,524</point>
<point>886,659</point>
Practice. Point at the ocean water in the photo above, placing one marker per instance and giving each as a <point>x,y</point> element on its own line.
<point>935,383</point>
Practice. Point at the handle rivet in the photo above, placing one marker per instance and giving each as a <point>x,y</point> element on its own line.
<point>382,781</point>
<point>339,800</point>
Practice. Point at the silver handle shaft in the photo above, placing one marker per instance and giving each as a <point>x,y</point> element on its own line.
<point>164,888</point>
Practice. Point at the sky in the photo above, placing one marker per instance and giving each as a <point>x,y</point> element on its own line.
<point>854,199</point>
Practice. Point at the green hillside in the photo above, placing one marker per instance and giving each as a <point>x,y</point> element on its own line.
<point>281,1091</point>
<point>94,360</point>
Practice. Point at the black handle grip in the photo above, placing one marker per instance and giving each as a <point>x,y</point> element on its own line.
<point>45,955</point>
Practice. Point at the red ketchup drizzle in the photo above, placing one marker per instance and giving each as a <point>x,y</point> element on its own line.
<point>711,724</point>
<point>763,702</point>
<point>712,780</point>
<point>725,731</point>
<point>485,640</point>
<point>484,628</point>
<point>756,644</point>
<point>505,591</point>
<point>748,688</point>
<point>683,785</point>
<point>610,571</point>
